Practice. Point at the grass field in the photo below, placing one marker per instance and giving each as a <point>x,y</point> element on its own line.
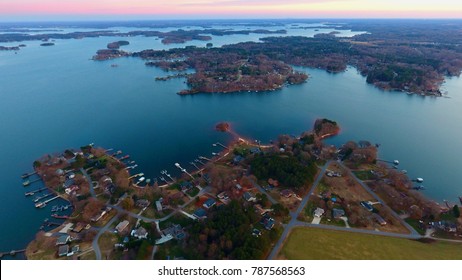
<point>315,244</point>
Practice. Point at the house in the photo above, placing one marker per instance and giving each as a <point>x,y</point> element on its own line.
<point>238,187</point>
<point>122,226</point>
<point>63,250</point>
<point>185,186</point>
<point>337,213</point>
<point>99,216</point>
<point>260,210</point>
<point>200,213</point>
<point>140,233</point>
<point>318,212</point>
<point>142,203</point>
<point>159,205</point>
<point>209,203</point>
<point>176,231</point>
<point>79,227</point>
<point>286,193</point>
<point>237,159</point>
<point>75,249</point>
<point>68,183</point>
<point>255,150</point>
<point>248,196</point>
<point>256,232</point>
<point>223,195</point>
<point>367,205</point>
<point>273,183</point>
<point>72,189</point>
<point>267,222</point>
<point>110,188</point>
<point>380,220</point>
<point>63,239</point>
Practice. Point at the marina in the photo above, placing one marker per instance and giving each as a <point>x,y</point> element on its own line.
<point>28,182</point>
<point>30,193</point>
<point>27,175</point>
<point>44,203</point>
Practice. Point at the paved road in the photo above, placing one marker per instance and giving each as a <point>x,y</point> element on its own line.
<point>270,198</point>
<point>366,187</point>
<point>98,235</point>
<point>92,191</point>
<point>295,223</point>
<point>294,215</point>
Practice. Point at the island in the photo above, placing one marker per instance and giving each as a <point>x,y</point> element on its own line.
<point>249,201</point>
<point>179,36</point>
<point>15,48</point>
<point>48,44</point>
<point>385,55</point>
<point>117,44</point>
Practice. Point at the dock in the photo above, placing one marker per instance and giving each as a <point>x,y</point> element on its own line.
<point>11,253</point>
<point>42,197</point>
<point>27,183</point>
<point>27,175</point>
<point>204,158</point>
<point>34,192</point>
<point>219,144</point>
<point>44,203</point>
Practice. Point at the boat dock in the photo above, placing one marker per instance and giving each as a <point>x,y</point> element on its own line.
<point>11,253</point>
<point>221,145</point>
<point>204,158</point>
<point>42,197</point>
<point>27,175</point>
<point>44,203</point>
<point>34,192</point>
<point>27,183</point>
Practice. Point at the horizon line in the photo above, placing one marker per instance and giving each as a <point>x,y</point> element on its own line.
<point>96,19</point>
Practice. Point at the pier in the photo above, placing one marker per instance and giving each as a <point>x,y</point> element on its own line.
<point>34,192</point>
<point>204,158</point>
<point>183,170</point>
<point>221,145</point>
<point>27,175</point>
<point>44,203</point>
<point>42,197</point>
<point>195,165</point>
<point>136,175</point>
<point>11,253</point>
<point>27,183</point>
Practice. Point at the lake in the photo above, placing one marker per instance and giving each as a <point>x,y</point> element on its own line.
<point>53,98</point>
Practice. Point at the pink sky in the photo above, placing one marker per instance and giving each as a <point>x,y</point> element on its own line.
<point>10,9</point>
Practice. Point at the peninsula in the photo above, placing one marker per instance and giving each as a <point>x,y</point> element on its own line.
<point>241,204</point>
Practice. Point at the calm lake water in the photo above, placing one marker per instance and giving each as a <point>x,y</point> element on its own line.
<point>53,98</point>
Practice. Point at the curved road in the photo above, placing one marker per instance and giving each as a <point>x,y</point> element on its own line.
<point>121,210</point>
<point>294,215</point>
<point>295,223</point>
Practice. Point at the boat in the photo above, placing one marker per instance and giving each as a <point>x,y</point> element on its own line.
<point>40,205</point>
<point>54,209</point>
<point>419,180</point>
<point>418,188</point>
<point>396,162</point>
<point>56,216</point>
<point>141,179</point>
<point>29,193</point>
<point>26,183</point>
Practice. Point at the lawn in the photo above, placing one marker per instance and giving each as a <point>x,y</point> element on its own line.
<point>315,244</point>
